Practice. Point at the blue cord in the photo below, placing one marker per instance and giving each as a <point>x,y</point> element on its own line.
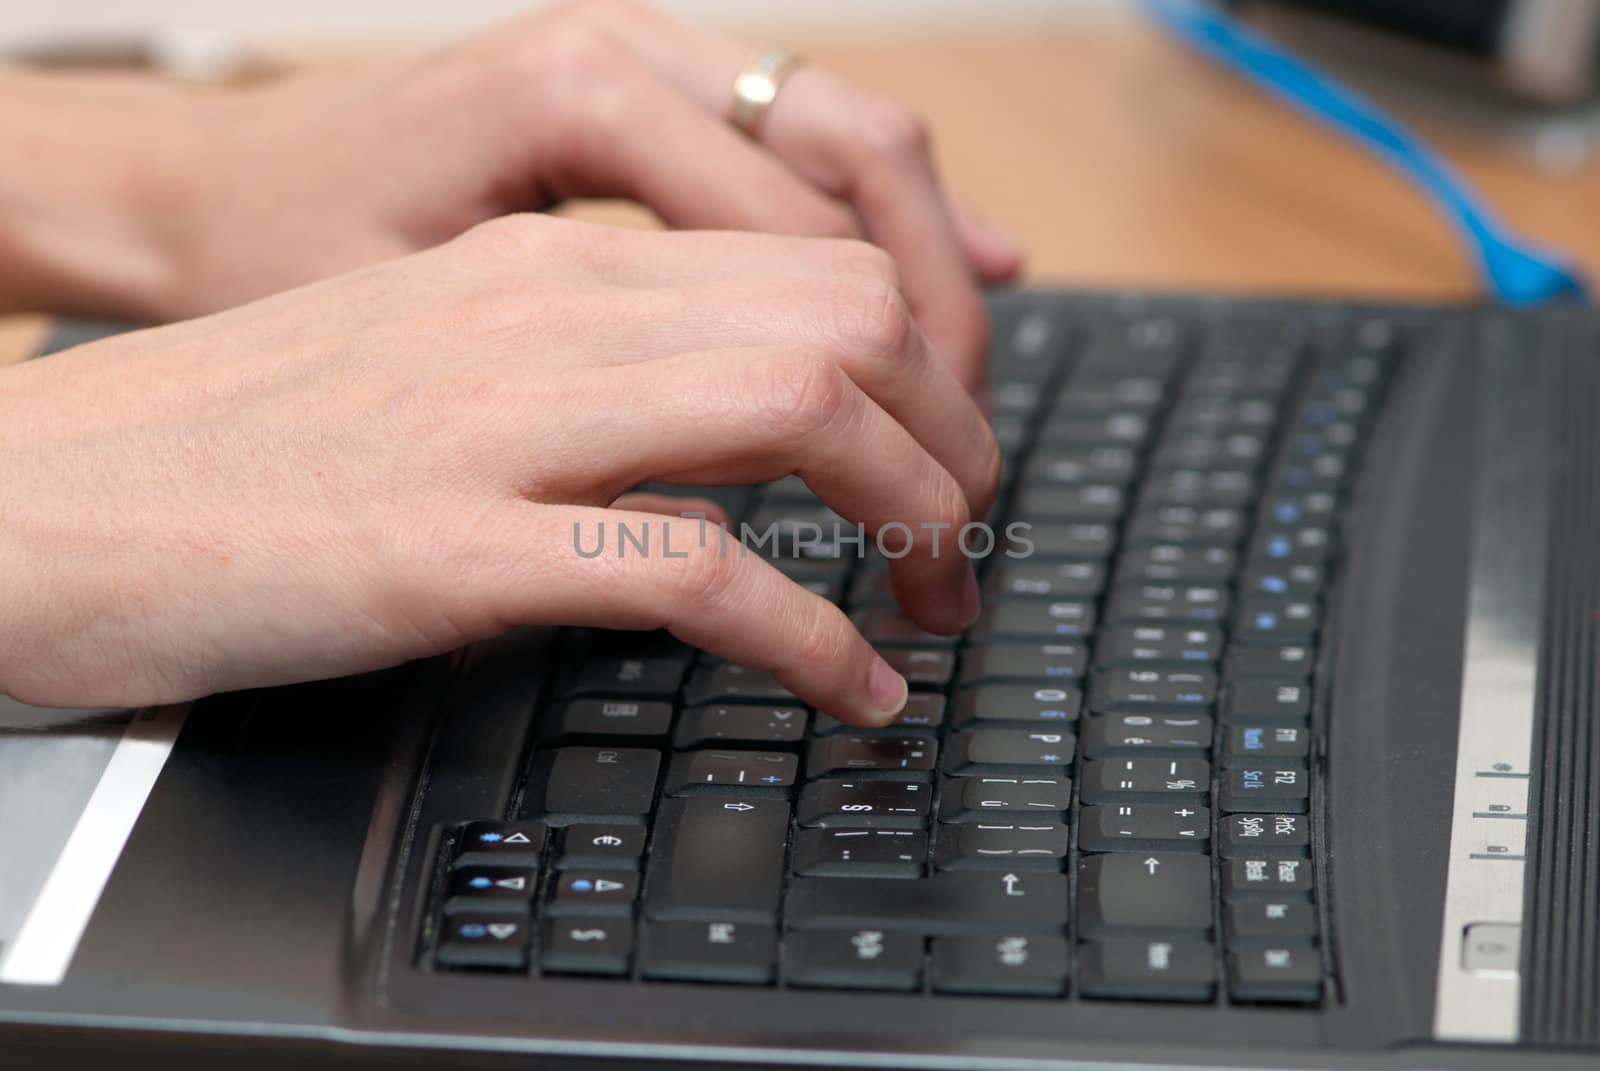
<point>1518,273</point>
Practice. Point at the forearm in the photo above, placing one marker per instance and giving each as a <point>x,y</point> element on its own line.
<point>96,182</point>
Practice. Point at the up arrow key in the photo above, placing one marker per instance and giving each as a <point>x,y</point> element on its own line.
<point>1152,863</point>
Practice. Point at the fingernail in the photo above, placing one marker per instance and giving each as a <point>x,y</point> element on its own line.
<point>971,604</point>
<point>889,690</point>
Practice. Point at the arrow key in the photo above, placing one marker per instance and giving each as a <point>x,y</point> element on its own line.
<point>485,942</point>
<point>584,892</point>
<point>500,889</point>
<point>499,844</point>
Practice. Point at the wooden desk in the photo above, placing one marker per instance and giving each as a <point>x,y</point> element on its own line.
<point>1121,161</point>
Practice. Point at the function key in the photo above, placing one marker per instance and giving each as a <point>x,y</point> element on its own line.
<point>852,959</point>
<point>1138,734</point>
<point>1026,704</point>
<point>614,717</point>
<point>734,952</point>
<point>1019,965</point>
<point>600,892</point>
<point>500,844</point>
<point>1023,662</point>
<point>1249,743</point>
<point>720,771</point>
<point>1148,970</point>
<point>872,756</point>
<point>1159,645</point>
<point>1264,835</point>
<point>588,946</point>
<point>864,804</point>
<point>1280,972</point>
<point>740,724</point>
<point>603,845</point>
<point>1144,827</point>
<point>485,889</point>
<point>1265,789</point>
<point>621,675</point>
<point>981,799</point>
<point>494,942</point>
<point>1270,922</point>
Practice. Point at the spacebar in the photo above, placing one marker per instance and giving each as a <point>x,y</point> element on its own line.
<point>951,902</point>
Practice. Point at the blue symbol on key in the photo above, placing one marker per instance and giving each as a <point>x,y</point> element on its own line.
<point>1287,512</point>
<point>1252,740</point>
<point>1266,622</point>
<point>480,882</point>
<point>1049,758</point>
<point>1057,714</point>
<point>583,885</point>
<point>491,837</point>
<point>1279,547</point>
<point>772,779</point>
<point>1275,584</point>
<point>474,930</point>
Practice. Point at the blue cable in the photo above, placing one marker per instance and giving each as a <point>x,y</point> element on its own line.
<point>1518,272</point>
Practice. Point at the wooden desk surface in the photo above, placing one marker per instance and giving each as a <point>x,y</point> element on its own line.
<point>1121,161</point>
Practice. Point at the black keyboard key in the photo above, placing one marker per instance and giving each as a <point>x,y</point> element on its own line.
<point>864,804</point>
<point>1017,965</point>
<point>1187,524</point>
<point>923,710</point>
<point>872,756</point>
<point>726,682</point>
<point>614,717</point>
<point>1059,662</point>
<point>852,959</point>
<point>997,844</point>
<point>731,773</point>
<point>1246,878</point>
<point>1046,580</point>
<point>598,845</point>
<point>716,858</point>
<point>1158,645</point>
<point>1207,488</point>
<point>867,853</point>
<point>1265,789</point>
<point>948,902</point>
<point>491,890</point>
<point>1277,618</point>
<point>485,942</point>
<point>600,781</point>
<point>740,724</point>
<point>989,751</point>
<point>1288,662</point>
<point>1268,699</point>
<point>500,844</point>
<point>1173,735</point>
<point>733,952</point>
<point>1054,541</point>
<point>1264,835</point>
<point>1302,580</point>
<point>626,676</point>
<point>1151,689</point>
<point>885,626</point>
<point>1086,503</point>
<point>1171,563</point>
<point>588,946</point>
<point>1144,827</point>
<point>1148,970</point>
<point>1034,619</point>
<point>1145,780</point>
<point>922,667</point>
<point>984,799</point>
<point>593,892</point>
<point>1144,895</point>
<point>1250,743</point>
<point>1085,464</point>
<point>1270,922</point>
<point>1023,704</point>
<point>1276,973</point>
<point>1167,603</point>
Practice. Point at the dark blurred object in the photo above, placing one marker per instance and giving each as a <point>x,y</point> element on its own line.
<point>1544,51</point>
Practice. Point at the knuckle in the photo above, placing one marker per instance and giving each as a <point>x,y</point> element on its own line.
<point>946,500</point>
<point>706,578</point>
<point>575,62</point>
<point>800,394</point>
<point>874,318</point>
<point>861,259</point>
<point>510,236</point>
<point>890,129</point>
<point>825,640</point>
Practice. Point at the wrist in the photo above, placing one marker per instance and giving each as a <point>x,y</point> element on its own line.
<point>94,215</point>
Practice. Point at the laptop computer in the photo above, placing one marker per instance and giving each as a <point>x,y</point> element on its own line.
<point>1279,748</point>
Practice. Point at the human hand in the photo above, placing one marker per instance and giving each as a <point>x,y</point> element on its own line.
<point>392,463</point>
<point>320,173</point>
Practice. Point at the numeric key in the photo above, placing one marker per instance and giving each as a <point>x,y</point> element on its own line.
<point>864,804</point>
<point>1020,704</point>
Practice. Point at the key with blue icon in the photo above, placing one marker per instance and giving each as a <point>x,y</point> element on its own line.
<point>484,942</point>
<point>500,844</point>
<point>499,889</point>
<point>594,892</point>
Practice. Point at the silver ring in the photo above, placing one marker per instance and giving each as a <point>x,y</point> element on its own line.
<point>757,87</point>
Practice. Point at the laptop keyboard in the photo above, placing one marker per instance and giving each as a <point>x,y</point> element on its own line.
<point>1106,790</point>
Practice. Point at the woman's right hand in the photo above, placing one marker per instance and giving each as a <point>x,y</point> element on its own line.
<point>392,463</point>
